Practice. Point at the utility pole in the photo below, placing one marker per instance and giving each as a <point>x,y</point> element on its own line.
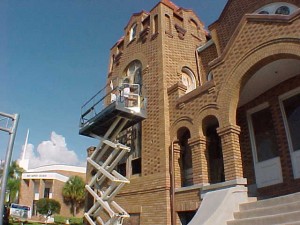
<point>10,127</point>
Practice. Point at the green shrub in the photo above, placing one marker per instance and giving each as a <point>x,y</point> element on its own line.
<point>47,206</point>
<point>58,219</point>
<point>76,221</point>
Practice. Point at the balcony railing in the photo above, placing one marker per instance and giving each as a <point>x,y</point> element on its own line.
<point>123,95</point>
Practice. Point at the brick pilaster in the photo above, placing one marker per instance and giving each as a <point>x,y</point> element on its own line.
<point>177,165</point>
<point>231,152</point>
<point>198,147</point>
<point>41,188</point>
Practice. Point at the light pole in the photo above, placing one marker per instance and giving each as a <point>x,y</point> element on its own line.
<point>11,128</point>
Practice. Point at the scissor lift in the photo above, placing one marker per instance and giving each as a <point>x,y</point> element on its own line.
<point>104,116</point>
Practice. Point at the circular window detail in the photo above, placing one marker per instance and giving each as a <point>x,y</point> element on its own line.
<point>277,8</point>
<point>283,10</point>
<point>264,12</point>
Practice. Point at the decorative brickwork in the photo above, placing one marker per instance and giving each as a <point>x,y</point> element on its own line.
<point>231,152</point>
<point>34,189</point>
<point>242,43</point>
<point>199,156</point>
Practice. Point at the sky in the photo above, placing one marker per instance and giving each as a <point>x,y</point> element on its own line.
<point>54,56</point>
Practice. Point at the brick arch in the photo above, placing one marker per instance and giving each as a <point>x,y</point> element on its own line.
<point>138,56</point>
<point>228,96</point>
<point>213,111</point>
<point>191,67</point>
<point>180,65</point>
<point>182,122</point>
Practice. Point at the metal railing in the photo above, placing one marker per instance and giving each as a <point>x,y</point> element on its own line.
<point>123,94</point>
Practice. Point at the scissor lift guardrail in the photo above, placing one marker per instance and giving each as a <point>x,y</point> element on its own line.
<point>117,110</point>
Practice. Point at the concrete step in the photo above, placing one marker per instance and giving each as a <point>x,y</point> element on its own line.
<point>271,202</point>
<point>293,223</point>
<point>283,218</point>
<point>252,199</point>
<point>271,210</point>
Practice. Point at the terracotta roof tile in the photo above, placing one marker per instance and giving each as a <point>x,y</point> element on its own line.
<point>170,4</point>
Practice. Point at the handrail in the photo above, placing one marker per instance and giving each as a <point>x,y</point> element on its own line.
<point>104,88</point>
<point>88,110</point>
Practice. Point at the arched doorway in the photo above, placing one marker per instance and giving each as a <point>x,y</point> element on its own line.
<point>214,150</point>
<point>186,165</point>
<point>268,109</point>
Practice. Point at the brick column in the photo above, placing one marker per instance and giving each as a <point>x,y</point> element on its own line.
<point>30,192</point>
<point>231,152</point>
<point>41,188</point>
<point>177,165</point>
<point>198,148</point>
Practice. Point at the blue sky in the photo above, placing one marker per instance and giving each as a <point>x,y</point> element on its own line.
<point>54,56</point>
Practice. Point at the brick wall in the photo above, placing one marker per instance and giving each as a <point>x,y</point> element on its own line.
<point>163,54</point>
<point>27,192</point>
<point>289,184</point>
<point>233,13</point>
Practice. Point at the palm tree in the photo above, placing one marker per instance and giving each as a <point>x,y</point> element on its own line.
<point>14,181</point>
<point>74,193</point>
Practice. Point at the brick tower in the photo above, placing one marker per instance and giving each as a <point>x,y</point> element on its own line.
<point>156,51</point>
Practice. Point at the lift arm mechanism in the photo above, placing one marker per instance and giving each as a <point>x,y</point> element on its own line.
<point>105,126</point>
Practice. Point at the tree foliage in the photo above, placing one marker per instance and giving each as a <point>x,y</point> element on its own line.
<point>13,186</point>
<point>15,171</point>
<point>48,206</point>
<point>14,181</point>
<point>74,193</point>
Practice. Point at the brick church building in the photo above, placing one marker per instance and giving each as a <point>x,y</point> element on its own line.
<point>223,107</point>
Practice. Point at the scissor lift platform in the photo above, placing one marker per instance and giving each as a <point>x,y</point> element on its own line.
<point>104,117</point>
<point>101,122</point>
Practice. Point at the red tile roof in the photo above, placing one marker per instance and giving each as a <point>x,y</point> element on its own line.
<point>170,4</point>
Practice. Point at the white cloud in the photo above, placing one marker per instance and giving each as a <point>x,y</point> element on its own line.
<point>53,151</point>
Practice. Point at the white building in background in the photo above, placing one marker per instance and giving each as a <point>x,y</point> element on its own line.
<point>48,182</point>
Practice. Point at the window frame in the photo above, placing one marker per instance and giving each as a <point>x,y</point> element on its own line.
<point>250,112</point>
<point>281,98</point>
<point>155,24</point>
<point>273,7</point>
<point>134,132</point>
<point>133,32</point>
<point>293,154</point>
<point>186,70</point>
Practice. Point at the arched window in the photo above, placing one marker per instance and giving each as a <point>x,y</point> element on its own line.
<point>188,79</point>
<point>214,150</point>
<point>132,33</point>
<point>112,61</point>
<point>168,24</point>
<point>183,136</point>
<point>282,8</point>
<point>132,136</point>
<point>133,72</point>
<point>155,24</point>
<point>210,76</point>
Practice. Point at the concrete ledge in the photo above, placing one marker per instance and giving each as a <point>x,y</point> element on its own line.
<point>227,184</point>
<point>190,188</point>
